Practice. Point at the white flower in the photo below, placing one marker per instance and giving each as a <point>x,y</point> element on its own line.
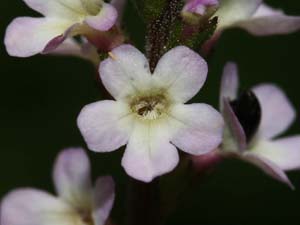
<point>77,202</point>
<point>149,114</point>
<point>260,146</point>
<point>27,36</point>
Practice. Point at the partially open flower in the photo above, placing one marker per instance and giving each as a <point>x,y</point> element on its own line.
<point>77,202</point>
<point>149,114</point>
<point>195,10</point>
<point>253,120</point>
<point>27,36</point>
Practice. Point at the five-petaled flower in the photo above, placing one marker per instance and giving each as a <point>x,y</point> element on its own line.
<point>251,15</point>
<point>253,120</point>
<point>27,36</point>
<point>78,202</point>
<point>149,114</point>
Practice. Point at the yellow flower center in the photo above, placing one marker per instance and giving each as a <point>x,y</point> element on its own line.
<point>149,107</point>
<point>92,7</point>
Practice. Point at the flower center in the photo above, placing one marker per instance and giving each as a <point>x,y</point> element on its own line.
<point>92,7</point>
<point>86,217</point>
<point>149,107</point>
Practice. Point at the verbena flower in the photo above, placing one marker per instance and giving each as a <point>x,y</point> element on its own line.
<point>253,121</point>
<point>27,36</point>
<point>251,15</point>
<point>77,202</point>
<point>149,114</point>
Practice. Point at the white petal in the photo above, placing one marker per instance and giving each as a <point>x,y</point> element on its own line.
<point>200,128</point>
<point>104,199</point>
<point>126,72</point>
<point>284,152</point>
<point>277,111</point>
<point>105,125</point>
<point>268,21</point>
<point>149,153</point>
<point>182,72</point>
<point>232,11</point>
<point>72,177</point>
<point>268,167</point>
<point>105,19</point>
<point>229,83</point>
<point>27,36</point>
<point>34,207</point>
<point>70,9</point>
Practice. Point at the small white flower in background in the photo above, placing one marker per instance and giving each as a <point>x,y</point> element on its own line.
<point>251,15</point>
<point>149,114</point>
<point>260,145</point>
<point>77,202</point>
<point>27,36</point>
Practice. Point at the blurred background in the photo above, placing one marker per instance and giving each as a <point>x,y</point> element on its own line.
<point>41,96</point>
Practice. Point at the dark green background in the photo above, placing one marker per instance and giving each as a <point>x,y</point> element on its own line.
<point>40,98</point>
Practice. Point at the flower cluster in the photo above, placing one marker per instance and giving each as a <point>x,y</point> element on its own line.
<point>149,112</point>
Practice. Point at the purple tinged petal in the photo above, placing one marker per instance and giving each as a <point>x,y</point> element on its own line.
<point>199,6</point>
<point>268,167</point>
<point>269,21</point>
<point>277,111</point>
<point>182,72</point>
<point>149,153</point>
<point>72,177</point>
<point>284,152</point>
<point>105,125</point>
<point>105,19</point>
<point>125,72</point>
<point>234,135</point>
<point>200,128</point>
<point>34,207</point>
<point>229,83</point>
<point>104,195</point>
<point>120,7</point>
<point>27,36</point>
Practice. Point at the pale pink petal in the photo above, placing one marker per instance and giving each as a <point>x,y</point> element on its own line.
<point>149,153</point>
<point>234,134</point>
<point>284,152</point>
<point>200,128</point>
<point>105,125</point>
<point>72,177</point>
<point>232,11</point>
<point>268,21</point>
<point>104,195</point>
<point>125,72</point>
<point>277,111</point>
<point>229,83</point>
<point>199,6</point>
<point>27,36</point>
<point>268,167</point>
<point>34,207</point>
<point>120,7</point>
<point>182,72</point>
<point>105,19</point>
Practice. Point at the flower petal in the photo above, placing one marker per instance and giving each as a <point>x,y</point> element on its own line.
<point>70,9</point>
<point>103,200</point>
<point>229,83</point>
<point>181,71</point>
<point>72,177</point>
<point>200,128</point>
<point>120,7</point>
<point>149,153</point>
<point>277,111</point>
<point>284,152</point>
<point>27,36</point>
<point>268,167</point>
<point>34,207</point>
<point>232,11</point>
<point>105,19</point>
<point>234,135</point>
<point>105,125</point>
<point>125,72</point>
<point>269,21</point>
